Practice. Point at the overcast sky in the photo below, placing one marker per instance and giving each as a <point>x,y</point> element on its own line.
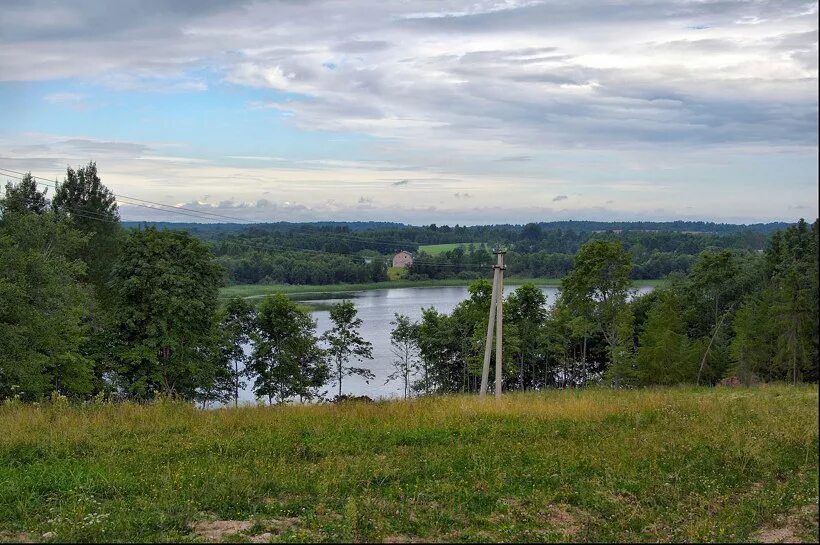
<point>427,111</point>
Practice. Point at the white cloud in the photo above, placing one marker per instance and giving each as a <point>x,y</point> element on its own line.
<point>487,98</point>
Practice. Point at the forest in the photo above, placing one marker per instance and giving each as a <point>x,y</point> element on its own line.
<point>331,253</point>
<point>89,308</point>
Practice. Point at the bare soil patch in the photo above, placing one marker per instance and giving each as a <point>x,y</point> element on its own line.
<point>794,528</point>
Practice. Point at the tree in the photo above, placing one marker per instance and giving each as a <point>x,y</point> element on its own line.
<point>24,197</point>
<point>41,307</point>
<point>92,209</point>
<point>345,343</point>
<point>236,322</point>
<point>622,372</point>
<point>665,355</point>
<point>166,285</point>
<point>527,310</point>
<point>755,341</point>
<point>599,285</point>
<point>405,352</point>
<point>286,360</point>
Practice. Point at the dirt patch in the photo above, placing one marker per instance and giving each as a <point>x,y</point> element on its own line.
<point>15,537</point>
<point>560,518</point>
<point>798,527</point>
<point>216,530</point>
<point>404,539</point>
<point>283,524</point>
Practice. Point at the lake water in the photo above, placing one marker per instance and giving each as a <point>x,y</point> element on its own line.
<point>376,309</point>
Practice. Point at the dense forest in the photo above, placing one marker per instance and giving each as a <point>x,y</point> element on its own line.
<point>329,253</point>
<point>90,308</point>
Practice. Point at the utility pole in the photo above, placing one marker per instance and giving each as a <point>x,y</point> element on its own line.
<point>496,319</point>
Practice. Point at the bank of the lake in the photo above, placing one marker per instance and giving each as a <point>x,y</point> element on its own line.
<point>376,308</point>
<point>312,292</point>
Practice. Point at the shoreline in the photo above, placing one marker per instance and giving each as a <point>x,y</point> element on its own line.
<point>311,292</point>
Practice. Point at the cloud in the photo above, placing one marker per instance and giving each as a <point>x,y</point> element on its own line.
<point>468,73</point>
<point>559,198</point>
<point>504,101</point>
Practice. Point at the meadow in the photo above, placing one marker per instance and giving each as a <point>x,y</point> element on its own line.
<point>435,249</point>
<point>680,464</point>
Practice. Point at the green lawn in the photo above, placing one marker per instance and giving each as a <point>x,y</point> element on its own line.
<point>434,249</point>
<point>684,464</point>
<point>307,292</point>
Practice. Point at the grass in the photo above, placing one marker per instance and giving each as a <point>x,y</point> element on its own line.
<point>435,249</point>
<point>680,464</point>
<point>307,292</point>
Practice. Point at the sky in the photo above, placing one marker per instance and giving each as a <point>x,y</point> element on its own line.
<point>503,111</point>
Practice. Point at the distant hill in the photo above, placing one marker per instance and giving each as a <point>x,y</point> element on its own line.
<point>209,230</point>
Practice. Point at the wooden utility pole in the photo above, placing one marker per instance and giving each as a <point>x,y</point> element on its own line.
<point>495,319</point>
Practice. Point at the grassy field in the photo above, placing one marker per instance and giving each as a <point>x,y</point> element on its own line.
<point>435,249</point>
<point>593,465</point>
<point>307,292</point>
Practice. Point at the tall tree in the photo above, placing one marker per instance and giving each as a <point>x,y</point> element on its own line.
<point>527,311</point>
<point>166,285</point>
<point>91,208</point>
<point>599,286</point>
<point>285,361</point>
<point>405,352</point>
<point>345,343</point>
<point>41,306</point>
<point>236,322</point>
<point>665,355</point>
<point>24,197</point>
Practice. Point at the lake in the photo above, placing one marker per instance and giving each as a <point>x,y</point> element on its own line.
<point>376,309</point>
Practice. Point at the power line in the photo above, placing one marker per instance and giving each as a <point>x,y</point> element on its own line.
<point>200,215</point>
<point>46,181</point>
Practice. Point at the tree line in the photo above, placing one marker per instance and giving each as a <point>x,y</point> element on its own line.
<point>735,315</point>
<point>89,308</point>
<point>324,254</point>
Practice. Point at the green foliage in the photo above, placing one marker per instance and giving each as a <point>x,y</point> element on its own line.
<point>665,355</point>
<point>526,313</point>
<point>41,306</point>
<point>286,359</point>
<point>23,197</point>
<point>403,343</point>
<point>776,330</point>
<point>599,286</point>
<point>345,343</point>
<point>236,321</point>
<point>91,208</point>
<point>166,284</point>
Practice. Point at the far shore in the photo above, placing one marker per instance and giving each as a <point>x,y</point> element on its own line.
<point>312,292</point>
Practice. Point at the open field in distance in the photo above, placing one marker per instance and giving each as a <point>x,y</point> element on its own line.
<point>435,249</point>
<point>681,464</point>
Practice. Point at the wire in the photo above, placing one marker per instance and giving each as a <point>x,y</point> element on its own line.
<point>201,214</point>
<point>46,181</point>
<point>89,214</point>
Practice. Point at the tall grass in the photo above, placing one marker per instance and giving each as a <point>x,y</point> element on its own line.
<point>653,465</point>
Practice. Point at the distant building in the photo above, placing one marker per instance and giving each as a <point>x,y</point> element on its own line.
<point>403,259</point>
